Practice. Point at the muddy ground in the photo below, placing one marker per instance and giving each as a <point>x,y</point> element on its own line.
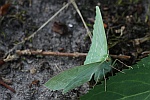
<point>126,24</point>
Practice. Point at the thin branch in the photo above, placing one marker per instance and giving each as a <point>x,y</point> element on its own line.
<point>122,57</point>
<point>6,86</point>
<point>49,53</point>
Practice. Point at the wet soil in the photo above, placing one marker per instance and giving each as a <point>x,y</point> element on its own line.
<point>127,27</point>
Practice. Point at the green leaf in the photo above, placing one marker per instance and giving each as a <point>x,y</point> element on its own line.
<point>95,63</point>
<point>98,51</point>
<point>133,85</point>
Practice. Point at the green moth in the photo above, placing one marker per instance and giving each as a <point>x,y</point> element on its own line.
<point>95,64</point>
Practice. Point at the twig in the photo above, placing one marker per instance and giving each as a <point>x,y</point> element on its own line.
<point>122,57</point>
<point>49,53</point>
<point>138,41</point>
<point>7,86</point>
<point>146,52</point>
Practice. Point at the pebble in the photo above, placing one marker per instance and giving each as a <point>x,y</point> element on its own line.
<point>33,70</point>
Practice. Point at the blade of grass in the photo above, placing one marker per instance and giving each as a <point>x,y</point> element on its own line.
<point>78,11</point>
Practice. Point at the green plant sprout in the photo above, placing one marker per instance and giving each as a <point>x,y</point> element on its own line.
<point>96,65</point>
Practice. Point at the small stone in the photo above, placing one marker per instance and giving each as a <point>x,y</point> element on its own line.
<point>70,25</point>
<point>33,70</point>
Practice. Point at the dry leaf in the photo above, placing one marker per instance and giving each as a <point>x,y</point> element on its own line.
<point>59,28</point>
<point>4,9</point>
<point>1,62</point>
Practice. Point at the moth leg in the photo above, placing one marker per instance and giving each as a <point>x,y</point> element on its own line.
<point>122,63</point>
<point>104,81</point>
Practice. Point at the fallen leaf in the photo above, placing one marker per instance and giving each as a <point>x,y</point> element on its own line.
<point>35,82</point>
<point>105,25</point>
<point>4,9</point>
<point>59,28</point>
<point>1,62</point>
<point>92,20</point>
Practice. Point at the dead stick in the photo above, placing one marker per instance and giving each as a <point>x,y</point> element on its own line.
<point>6,86</point>
<point>122,57</point>
<point>49,53</point>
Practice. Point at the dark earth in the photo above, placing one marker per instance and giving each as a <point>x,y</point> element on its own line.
<point>127,28</point>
